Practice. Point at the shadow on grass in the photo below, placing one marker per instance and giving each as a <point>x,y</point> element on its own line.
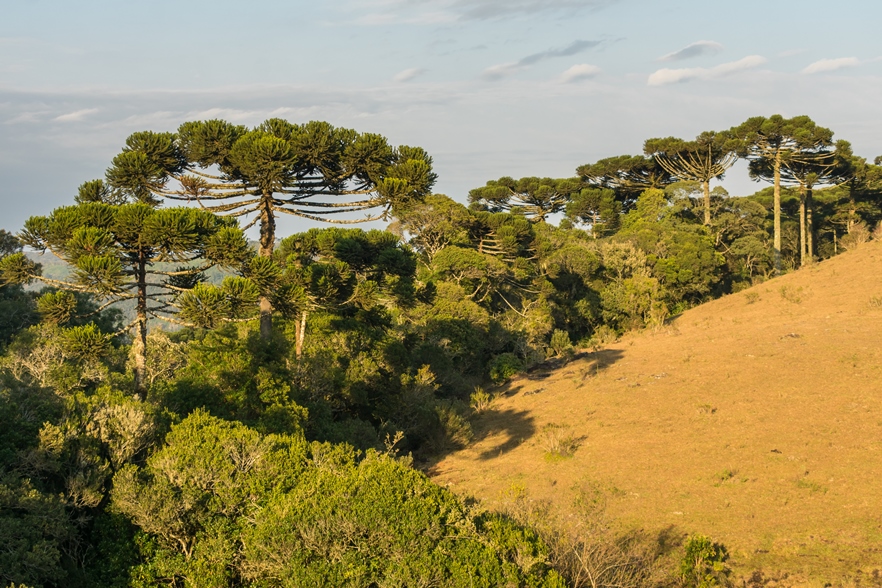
<point>586,362</point>
<point>516,427</point>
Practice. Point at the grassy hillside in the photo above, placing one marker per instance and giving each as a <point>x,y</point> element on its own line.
<point>755,419</point>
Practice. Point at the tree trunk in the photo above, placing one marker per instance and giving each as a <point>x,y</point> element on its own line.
<point>707,208</point>
<point>777,209</point>
<point>301,335</point>
<point>802,229</point>
<point>852,208</point>
<point>267,243</point>
<point>139,344</point>
<point>809,224</point>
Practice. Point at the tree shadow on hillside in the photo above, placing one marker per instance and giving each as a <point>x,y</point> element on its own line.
<point>516,426</point>
<point>588,362</point>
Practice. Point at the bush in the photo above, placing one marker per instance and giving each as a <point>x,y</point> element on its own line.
<point>503,367</point>
<point>703,563</point>
<point>481,401</point>
<point>560,344</point>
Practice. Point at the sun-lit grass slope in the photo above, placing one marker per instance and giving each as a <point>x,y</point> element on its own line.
<point>755,419</point>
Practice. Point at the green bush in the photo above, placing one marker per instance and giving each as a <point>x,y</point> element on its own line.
<point>703,564</point>
<point>503,367</point>
<point>560,344</point>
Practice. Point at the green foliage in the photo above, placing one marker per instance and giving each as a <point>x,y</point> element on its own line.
<point>227,506</point>
<point>560,343</point>
<point>33,524</point>
<point>532,197</point>
<point>503,367</point>
<point>703,564</point>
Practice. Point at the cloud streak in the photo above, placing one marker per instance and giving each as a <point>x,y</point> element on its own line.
<point>495,72</point>
<point>429,12</point>
<point>496,9</point>
<point>825,65</point>
<point>408,74</point>
<point>578,72</point>
<point>666,76</point>
<point>76,115</point>
<point>696,49</point>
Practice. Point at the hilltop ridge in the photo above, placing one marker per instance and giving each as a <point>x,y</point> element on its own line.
<point>755,419</point>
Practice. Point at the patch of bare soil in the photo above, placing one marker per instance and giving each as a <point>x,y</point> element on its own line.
<point>755,419</point>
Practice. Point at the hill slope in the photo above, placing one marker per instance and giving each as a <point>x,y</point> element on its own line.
<point>756,419</point>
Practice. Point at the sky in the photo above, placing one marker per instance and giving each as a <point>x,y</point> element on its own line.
<point>489,88</point>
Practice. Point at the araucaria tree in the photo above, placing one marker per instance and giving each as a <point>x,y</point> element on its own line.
<point>702,160</point>
<point>773,143</point>
<point>535,198</point>
<point>313,171</point>
<point>817,165</point>
<point>135,252</point>
<point>627,176</point>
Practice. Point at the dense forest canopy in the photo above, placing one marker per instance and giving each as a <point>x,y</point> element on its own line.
<point>268,438</point>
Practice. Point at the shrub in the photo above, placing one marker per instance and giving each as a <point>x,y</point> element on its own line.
<point>560,344</point>
<point>703,564</point>
<point>558,441</point>
<point>481,400</point>
<point>503,367</point>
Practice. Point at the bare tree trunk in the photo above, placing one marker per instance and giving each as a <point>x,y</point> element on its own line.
<point>707,207</point>
<point>267,243</point>
<point>777,209</point>
<point>139,344</point>
<point>301,335</point>
<point>852,208</point>
<point>809,224</point>
<point>803,244</point>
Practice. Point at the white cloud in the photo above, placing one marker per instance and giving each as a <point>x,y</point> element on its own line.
<point>578,72</point>
<point>408,74</point>
<point>696,49</point>
<point>672,76</point>
<point>76,115</point>
<point>825,65</point>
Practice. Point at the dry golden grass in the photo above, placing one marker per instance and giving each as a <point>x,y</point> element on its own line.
<point>755,419</point>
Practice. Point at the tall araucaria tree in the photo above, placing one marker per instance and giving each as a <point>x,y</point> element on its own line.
<point>627,176</point>
<point>313,171</point>
<point>816,166</point>
<point>535,198</point>
<point>774,142</point>
<point>136,252</point>
<point>702,160</point>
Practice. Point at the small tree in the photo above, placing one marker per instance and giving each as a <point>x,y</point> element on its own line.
<point>597,207</point>
<point>338,269</point>
<point>135,252</point>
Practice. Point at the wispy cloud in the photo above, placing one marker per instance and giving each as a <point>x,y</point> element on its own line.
<point>825,65</point>
<point>493,9</point>
<point>430,12</point>
<point>76,115</point>
<point>408,74</point>
<point>581,71</point>
<point>696,49</point>
<point>495,72</point>
<point>673,76</point>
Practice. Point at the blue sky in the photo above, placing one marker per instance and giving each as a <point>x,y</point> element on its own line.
<point>488,87</point>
